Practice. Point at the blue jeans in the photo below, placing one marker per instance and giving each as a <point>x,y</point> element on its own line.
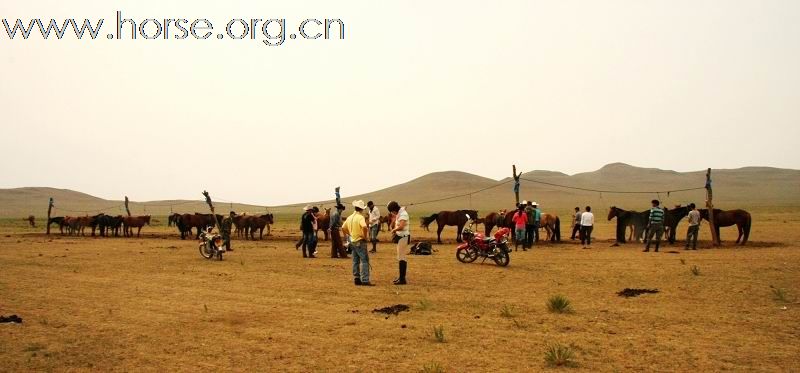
<point>373,232</point>
<point>360,260</point>
<point>519,236</point>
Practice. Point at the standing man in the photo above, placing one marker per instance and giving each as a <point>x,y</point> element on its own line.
<point>694,227</point>
<point>537,218</point>
<point>655,225</point>
<point>402,234</point>
<point>337,247</point>
<point>307,228</point>
<point>520,219</point>
<point>355,228</point>
<point>226,224</point>
<point>576,223</point>
<point>530,227</point>
<point>374,225</point>
<point>587,225</point>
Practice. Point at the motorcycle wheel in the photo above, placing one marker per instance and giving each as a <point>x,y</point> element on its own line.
<point>466,255</point>
<point>502,258</point>
<point>205,253</point>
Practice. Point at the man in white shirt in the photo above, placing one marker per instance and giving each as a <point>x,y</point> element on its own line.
<point>374,225</point>
<point>587,224</point>
<point>402,234</point>
<point>694,227</point>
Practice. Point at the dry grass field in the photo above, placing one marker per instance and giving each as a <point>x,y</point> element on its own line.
<point>153,304</point>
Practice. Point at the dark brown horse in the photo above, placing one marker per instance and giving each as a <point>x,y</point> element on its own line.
<point>671,220</point>
<point>130,222</point>
<point>494,219</point>
<point>727,218</point>
<point>31,220</point>
<point>197,221</point>
<point>259,223</point>
<point>452,218</point>
<point>637,221</point>
<point>57,220</point>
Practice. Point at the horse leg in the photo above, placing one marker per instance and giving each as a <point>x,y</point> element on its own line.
<point>741,231</point>
<point>138,233</point>
<point>439,229</point>
<point>458,234</point>
<point>261,233</point>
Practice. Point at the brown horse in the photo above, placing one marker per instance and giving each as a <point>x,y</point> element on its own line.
<point>31,220</point>
<point>197,221</point>
<point>324,222</point>
<point>130,222</point>
<point>388,220</point>
<point>494,219</point>
<point>259,223</point>
<point>57,220</point>
<point>552,225</point>
<point>727,218</point>
<point>452,218</point>
<point>73,225</point>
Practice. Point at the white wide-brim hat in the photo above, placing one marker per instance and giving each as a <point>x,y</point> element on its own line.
<point>534,204</point>
<point>308,208</point>
<point>359,204</point>
<point>524,202</point>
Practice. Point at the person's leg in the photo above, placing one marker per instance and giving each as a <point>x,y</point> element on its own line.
<point>582,234</point>
<point>688,238</point>
<point>402,248</point>
<point>575,230</point>
<point>373,237</point>
<point>304,243</point>
<point>589,235</point>
<point>364,262</point>
<point>535,233</point>
<point>356,264</point>
<point>650,233</point>
<point>695,234</point>
<point>659,233</point>
<point>529,236</point>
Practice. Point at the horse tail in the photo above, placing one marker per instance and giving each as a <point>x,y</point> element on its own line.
<point>557,230</point>
<point>746,228</point>
<point>427,221</point>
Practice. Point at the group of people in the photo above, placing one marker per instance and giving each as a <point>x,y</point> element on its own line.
<point>526,224</point>
<point>354,234</point>
<point>583,223</point>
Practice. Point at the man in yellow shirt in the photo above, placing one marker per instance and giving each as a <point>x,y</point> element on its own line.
<point>357,233</point>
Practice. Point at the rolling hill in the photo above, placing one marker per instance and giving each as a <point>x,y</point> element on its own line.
<point>749,187</point>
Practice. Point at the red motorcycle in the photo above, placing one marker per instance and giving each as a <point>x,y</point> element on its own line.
<point>476,245</point>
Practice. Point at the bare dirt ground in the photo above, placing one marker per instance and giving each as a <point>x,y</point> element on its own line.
<point>153,304</point>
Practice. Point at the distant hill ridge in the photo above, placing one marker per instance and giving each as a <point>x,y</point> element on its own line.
<point>742,187</point>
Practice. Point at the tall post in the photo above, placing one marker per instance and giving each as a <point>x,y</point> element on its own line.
<point>49,211</point>
<point>516,182</point>
<point>710,207</point>
<point>214,214</point>
<point>128,210</point>
<point>338,196</point>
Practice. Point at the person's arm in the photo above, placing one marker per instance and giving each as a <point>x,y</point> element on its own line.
<point>400,225</point>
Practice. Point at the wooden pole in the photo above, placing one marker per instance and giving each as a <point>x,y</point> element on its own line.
<point>128,210</point>
<point>49,211</point>
<point>710,207</point>
<point>214,214</point>
<point>516,182</point>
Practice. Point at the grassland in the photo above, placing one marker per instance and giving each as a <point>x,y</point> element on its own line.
<point>153,304</point>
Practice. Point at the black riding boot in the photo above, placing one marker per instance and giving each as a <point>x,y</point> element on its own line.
<point>403,268</point>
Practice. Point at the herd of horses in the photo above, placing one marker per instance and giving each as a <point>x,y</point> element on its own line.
<point>637,222</point>
<point>101,224</point>
<point>245,225</point>
<point>502,219</point>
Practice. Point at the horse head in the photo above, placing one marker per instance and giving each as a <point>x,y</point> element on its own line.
<point>612,212</point>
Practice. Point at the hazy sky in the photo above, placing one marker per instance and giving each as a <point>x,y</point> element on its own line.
<point>415,87</point>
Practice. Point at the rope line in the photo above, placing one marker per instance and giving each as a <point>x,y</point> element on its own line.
<point>611,191</point>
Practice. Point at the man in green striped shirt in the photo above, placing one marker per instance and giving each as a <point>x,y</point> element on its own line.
<point>655,225</point>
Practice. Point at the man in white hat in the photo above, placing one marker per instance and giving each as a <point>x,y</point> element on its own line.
<point>537,218</point>
<point>356,228</point>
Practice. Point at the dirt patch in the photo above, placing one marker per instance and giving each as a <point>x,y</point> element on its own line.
<point>392,310</point>
<point>629,293</point>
